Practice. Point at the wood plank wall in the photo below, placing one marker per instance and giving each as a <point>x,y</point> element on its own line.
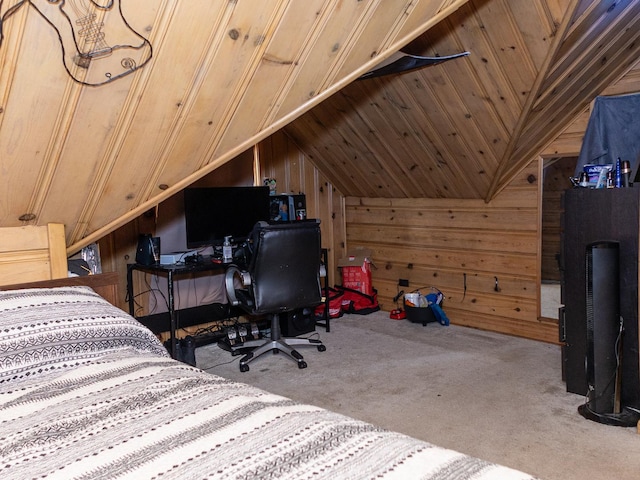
<point>462,247</point>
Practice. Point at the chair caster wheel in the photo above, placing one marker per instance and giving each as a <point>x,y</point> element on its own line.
<point>244,368</point>
<point>321,348</point>
<point>302,364</point>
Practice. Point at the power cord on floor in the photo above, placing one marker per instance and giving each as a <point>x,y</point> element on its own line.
<point>221,364</point>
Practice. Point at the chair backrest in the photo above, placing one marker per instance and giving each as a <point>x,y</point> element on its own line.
<point>285,266</point>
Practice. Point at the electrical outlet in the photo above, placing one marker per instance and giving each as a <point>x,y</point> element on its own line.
<point>403,282</point>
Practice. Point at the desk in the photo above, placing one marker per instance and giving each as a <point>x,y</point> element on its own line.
<point>206,265</point>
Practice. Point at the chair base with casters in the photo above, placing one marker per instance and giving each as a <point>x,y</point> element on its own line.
<point>276,344</point>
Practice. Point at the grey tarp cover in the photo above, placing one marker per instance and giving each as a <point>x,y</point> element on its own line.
<point>613,131</point>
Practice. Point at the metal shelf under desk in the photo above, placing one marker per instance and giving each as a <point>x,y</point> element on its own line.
<point>206,265</point>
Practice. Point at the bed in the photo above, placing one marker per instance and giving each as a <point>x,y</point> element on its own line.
<point>87,392</point>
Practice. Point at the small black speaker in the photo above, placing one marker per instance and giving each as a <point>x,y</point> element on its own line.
<point>148,251</point>
<point>299,204</point>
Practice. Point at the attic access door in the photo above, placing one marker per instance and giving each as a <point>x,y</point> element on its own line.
<point>556,180</point>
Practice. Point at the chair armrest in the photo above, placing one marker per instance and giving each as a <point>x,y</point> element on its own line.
<point>230,282</point>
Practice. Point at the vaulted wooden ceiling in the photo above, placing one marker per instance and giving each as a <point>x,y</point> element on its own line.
<point>464,128</point>
<point>185,86</point>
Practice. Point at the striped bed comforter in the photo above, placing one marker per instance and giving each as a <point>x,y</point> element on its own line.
<point>86,392</point>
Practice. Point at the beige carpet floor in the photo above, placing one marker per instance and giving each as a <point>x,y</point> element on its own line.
<point>488,395</point>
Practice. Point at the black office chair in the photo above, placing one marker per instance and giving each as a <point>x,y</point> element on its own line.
<point>283,274</point>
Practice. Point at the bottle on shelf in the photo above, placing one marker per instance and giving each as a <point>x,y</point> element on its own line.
<point>625,174</point>
<point>227,250</point>
<point>610,181</point>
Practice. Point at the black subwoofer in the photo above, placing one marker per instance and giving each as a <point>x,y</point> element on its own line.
<point>298,322</point>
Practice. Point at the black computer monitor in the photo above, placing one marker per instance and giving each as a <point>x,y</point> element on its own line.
<point>212,213</point>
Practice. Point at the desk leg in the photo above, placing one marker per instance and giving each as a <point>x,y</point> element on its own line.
<point>130,290</point>
<point>172,314</point>
<point>326,317</point>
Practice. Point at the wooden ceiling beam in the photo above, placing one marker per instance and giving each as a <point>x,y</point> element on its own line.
<point>597,57</point>
<point>498,182</point>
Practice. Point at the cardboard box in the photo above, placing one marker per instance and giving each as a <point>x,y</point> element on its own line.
<point>356,270</point>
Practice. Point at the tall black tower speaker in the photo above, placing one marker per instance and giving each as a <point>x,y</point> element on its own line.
<point>603,324</point>
<point>604,336</point>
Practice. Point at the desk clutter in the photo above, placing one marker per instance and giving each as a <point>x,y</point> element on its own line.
<point>188,256</point>
<point>147,254</point>
<point>609,175</point>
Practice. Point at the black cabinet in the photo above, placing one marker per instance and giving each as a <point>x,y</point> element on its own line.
<point>594,216</point>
